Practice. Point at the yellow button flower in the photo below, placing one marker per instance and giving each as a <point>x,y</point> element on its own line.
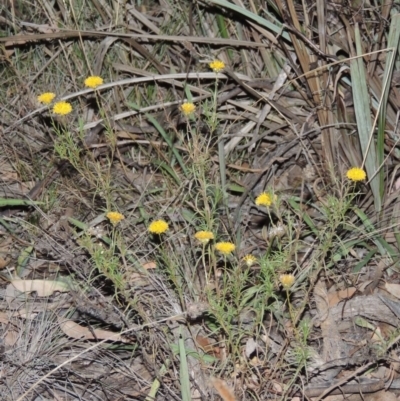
<point>204,236</point>
<point>93,82</point>
<point>264,199</point>
<point>114,217</point>
<point>158,227</point>
<point>249,260</point>
<point>225,247</point>
<point>356,174</point>
<point>286,280</point>
<point>62,108</point>
<point>187,108</point>
<point>46,98</point>
<point>217,65</point>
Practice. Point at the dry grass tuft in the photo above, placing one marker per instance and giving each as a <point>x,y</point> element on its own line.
<point>193,190</point>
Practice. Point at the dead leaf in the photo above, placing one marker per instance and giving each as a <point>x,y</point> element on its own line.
<point>223,389</point>
<point>5,248</point>
<point>4,318</point>
<point>278,387</point>
<point>335,297</point>
<point>4,263</point>
<point>74,330</point>
<point>393,289</point>
<point>149,265</point>
<point>208,346</point>
<point>251,346</point>
<point>43,288</point>
<point>26,314</point>
<point>11,338</point>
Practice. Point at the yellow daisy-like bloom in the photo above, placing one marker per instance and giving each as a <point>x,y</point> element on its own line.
<point>204,236</point>
<point>46,98</point>
<point>217,65</point>
<point>93,82</point>
<point>187,108</point>
<point>62,108</point>
<point>249,260</point>
<point>114,217</point>
<point>286,280</point>
<point>158,227</point>
<point>225,247</point>
<point>264,199</point>
<point>356,174</point>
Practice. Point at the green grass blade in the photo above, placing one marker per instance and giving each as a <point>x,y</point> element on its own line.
<point>168,169</point>
<point>165,137</point>
<point>304,216</point>
<point>278,28</point>
<point>393,42</point>
<point>156,384</point>
<point>184,371</point>
<point>17,202</point>
<point>366,259</point>
<point>363,117</point>
<point>383,246</point>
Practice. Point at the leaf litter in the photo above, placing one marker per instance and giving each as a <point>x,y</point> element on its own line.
<point>90,309</point>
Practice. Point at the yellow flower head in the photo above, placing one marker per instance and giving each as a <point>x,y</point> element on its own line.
<point>286,280</point>
<point>46,98</point>
<point>225,247</point>
<point>114,217</point>
<point>62,108</point>
<point>264,199</point>
<point>249,260</point>
<point>158,227</point>
<point>356,174</point>
<point>93,82</point>
<point>217,65</point>
<point>187,108</point>
<point>204,236</point>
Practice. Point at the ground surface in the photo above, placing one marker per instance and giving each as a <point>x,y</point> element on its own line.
<point>235,125</point>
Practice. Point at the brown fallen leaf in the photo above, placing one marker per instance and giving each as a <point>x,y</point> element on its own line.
<point>11,338</point>
<point>43,288</point>
<point>335,297</point>
<point>4,263</point>
<point>149,265</point>
<point>4,318</point>
<point>393,289</point>
<point>223,389</point>
<point>208,346</point>
<point>74,330</point>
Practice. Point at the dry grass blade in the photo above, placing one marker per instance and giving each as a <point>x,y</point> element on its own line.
<point>92,347</point>
<point>317,84</point>
<point>197,152</point>
<point>67,34</point>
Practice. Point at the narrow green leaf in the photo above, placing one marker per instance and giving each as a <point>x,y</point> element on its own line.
<point>383,246</point>
<point>236,188</point>
<point>164,166</point>
<point>17,202</point>
<point>184,371</point>
<point>276,28</point>
<point>364,261</point>
<point>363,117</point>
<point>304,216</point>
<point>156,384</point>
<point>393,43</point>
<point>23,259</point>
<point>165,136</point>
